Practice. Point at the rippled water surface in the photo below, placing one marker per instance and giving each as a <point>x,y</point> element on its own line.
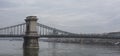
<point>14,48</point>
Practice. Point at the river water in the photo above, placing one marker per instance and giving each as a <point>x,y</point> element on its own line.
<point>14,48</point>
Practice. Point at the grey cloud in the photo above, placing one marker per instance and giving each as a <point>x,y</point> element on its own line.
<point>7,4</point>
<point>87,16</point>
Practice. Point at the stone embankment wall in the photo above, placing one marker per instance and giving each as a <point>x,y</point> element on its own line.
<point>86,41</point>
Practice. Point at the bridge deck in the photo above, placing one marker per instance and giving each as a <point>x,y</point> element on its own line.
<point>62,36</point>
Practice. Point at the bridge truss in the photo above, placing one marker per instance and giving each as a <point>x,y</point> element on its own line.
<point>19,30</point>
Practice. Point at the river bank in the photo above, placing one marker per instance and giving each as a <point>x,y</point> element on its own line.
<point>113,42</point>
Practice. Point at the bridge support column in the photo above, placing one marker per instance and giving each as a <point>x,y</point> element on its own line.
<point>31,37</point>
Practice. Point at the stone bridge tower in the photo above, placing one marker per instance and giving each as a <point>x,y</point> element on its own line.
<point>31,35</point>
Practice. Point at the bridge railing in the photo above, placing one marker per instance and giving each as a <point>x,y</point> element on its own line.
<point>14,30</point>
<point>46,30</point>
<point>20,29</point>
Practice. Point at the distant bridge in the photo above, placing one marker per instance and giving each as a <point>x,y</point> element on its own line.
<point>46,31</point>
<point>20,29</point>
<point>31,31</point>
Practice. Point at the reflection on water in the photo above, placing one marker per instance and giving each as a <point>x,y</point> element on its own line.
<point>30,51</point>
<point>35,51</point>
<point>14,48</point>
<point>54,48</point>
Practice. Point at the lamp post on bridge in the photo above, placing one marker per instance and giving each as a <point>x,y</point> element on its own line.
<point>31,35</point>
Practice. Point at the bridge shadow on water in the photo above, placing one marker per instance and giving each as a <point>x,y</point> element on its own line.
<point>30,52</point>
<point>52,51</point>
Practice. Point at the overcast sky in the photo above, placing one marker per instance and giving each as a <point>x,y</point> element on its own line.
<point>78,16</point>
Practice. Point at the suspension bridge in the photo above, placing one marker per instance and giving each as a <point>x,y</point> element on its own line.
<point>31,31</point>
<point>20,30</point>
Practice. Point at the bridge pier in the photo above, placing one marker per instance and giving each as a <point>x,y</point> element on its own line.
<point>31,35</point>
